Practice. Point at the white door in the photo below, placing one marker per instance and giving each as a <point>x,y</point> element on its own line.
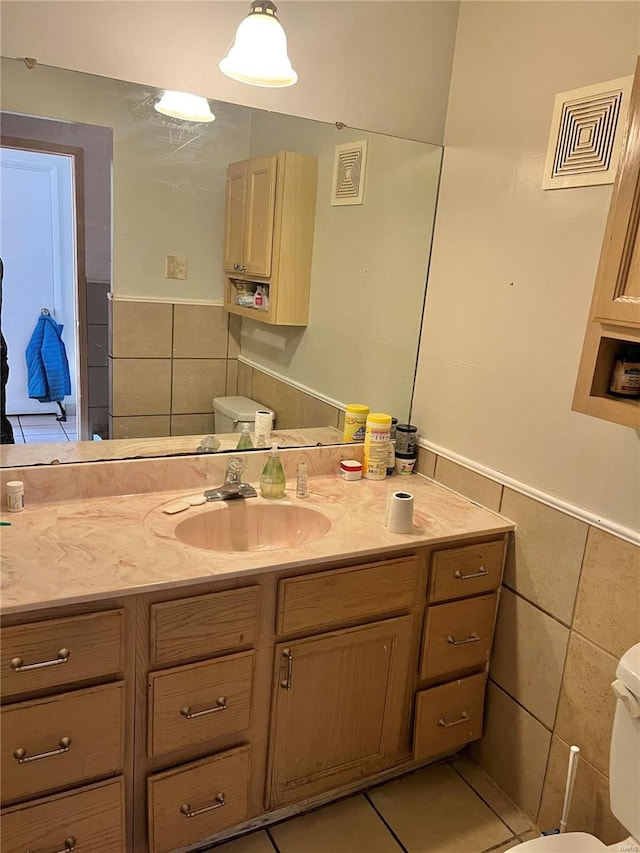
<point>37,245</point>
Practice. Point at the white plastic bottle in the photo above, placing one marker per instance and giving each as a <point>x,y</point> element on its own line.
<point>301,480</point>
<point>15,495</point>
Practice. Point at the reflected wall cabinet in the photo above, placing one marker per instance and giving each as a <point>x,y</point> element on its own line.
<point>270,205</point>
<point>614,319</point>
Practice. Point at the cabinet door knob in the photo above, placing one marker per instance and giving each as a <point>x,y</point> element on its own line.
<point>286,682</point>
<point>479,574</point>
<point>463,718</point>
<point>69,846</point>
<point>187,811</point>
<point>472,638</point>
<point>21,756</point>
<point>221,705</point>
<point>18,664</point>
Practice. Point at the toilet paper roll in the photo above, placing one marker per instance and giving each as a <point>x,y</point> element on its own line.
<point>263,424</point>
<point>400,513</point>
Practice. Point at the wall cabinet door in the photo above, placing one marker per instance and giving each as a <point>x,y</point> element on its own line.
<point>338,707</point>
<point>234,217</point>
<point>249,215</point>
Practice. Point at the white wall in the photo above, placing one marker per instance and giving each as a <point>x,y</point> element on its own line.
<point>513,267</point>
<point>350,56</point>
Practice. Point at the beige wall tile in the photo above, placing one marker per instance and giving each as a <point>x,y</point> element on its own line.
<point>545,564</point>
<point>196,381</point>
<point>426,462</point>
<point>139,427</point>
<point>587,705</point>
<point>517,821</point>
<point>235,328</point>
<point>590,810</point>
<point>192,424</point>
<point>608,600</point>
<point>340,420</point>
<point>257,842</point>
<point>245,375</point>
<point>316,413</point>
<point>200,331</point>
<point>232,378</point>
<point>141,329</point>
<point>468,483</point>
<point>345,827</point>
<point>528,654</point>
<point>98,380</point>
<point>140,386</point>
<point>283,399</point>
<point>513,750</point>
<point>434,811</point>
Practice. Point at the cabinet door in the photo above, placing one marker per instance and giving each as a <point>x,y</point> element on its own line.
<point>618,278</point>
<point>234,217</point>
<point>338,707</point>
<point>259,214</point>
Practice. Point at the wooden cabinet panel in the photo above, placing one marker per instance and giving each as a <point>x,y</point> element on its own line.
<point>195,801</point>
<point>345,595</point>
<point>235,189</point>
<point>259,214</point>
<point>462,572</point>
<point>448,716</point>
<point>457,635</point>
<point>93,816</point>
<point>67,739</point>
<point>338,708</point>
<point>41,655</point>
<point>204,625</point>
<point>196,703</point>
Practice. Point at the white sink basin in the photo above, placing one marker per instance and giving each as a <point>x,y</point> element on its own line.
<point>242,525</point>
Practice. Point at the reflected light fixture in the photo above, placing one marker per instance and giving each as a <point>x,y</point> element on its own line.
<point>258,53</point>
<point>185,106</point>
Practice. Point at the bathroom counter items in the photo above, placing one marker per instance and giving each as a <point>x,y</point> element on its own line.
<point>63,549</point>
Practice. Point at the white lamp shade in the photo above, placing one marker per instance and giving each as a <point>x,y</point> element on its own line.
<point>258,54</point>
<point>185,106</point>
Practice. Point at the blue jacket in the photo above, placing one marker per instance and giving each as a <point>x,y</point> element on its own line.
<point>47,365</point>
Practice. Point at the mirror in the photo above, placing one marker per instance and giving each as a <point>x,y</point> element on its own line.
<point>173,347</point>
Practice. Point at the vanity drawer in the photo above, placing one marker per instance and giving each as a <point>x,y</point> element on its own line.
<point>327,599</point>
<point>42,655</point>
<point>93,816</point>
<point>67,739</point>
<point>448,716</point>
<point>192,802</point>
<point>198,702</point>
<point>460,572</point>
<point>457,635</point>
<point>204,625</point>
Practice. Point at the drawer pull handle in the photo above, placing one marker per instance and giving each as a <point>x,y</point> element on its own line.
<point>185,808</point>
<point>472,638</point>
<point>479,574</point>
<point>21,756</point>
<point>69,845</point>
<point>19,665</point>
<point>188,714</point>
<point>463,718</point>
<point>286,683</point>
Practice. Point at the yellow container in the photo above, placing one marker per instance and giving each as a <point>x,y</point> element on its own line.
<point>355,421</point>
<point>376,446</point>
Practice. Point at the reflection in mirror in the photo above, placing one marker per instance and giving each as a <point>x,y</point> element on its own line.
<point>155,345</point>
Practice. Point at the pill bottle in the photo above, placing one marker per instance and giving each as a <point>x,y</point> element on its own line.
<point>350,469</point>
<point>406,435</point>
<point>15,495</point>
<point>355,422</point>
<point>625,378</point>
<point>376,446</point>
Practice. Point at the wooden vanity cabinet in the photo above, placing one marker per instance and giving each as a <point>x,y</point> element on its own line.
<point>614,318</point>
<point>270,207</point>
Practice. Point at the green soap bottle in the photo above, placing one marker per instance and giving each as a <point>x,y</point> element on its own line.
<point>245,442</point>
<point>272,480</point>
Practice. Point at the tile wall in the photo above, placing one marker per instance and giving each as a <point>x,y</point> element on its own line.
<point>168,361</point>
<point>568,610</point>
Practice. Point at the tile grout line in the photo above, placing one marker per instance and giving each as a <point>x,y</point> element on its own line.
<point>385,822</point>
<point>272,839</point>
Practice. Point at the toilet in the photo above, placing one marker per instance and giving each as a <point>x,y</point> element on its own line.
<point>624,770</point>
<point>229,413</point>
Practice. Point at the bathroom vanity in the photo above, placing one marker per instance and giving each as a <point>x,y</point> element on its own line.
<point>157,695</point>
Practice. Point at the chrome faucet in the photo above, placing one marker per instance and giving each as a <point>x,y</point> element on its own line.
<point>233,487</point>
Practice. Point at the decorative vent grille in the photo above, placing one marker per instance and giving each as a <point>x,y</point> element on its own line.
<point>586,134</point>
<point>348,173</point>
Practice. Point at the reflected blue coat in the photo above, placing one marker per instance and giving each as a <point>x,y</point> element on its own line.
<point>47,365</point>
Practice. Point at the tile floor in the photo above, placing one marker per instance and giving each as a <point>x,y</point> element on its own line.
<point>42,429</point>
<point>450,807</point>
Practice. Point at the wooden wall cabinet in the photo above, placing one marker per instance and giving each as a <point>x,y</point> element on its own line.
<point>614,319</point>
<point>270,207</point>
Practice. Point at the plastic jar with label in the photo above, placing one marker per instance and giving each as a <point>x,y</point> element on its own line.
<point>355,422</point>
<point>625,378</point>
<point>376,446</point>
<point>406,435</point>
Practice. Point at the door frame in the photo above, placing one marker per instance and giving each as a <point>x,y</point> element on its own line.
<point>81,331</point>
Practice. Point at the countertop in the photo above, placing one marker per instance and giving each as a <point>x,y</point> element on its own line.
<point>71,551</point>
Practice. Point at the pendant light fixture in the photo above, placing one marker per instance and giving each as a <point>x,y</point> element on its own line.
<point>258,53</point>
<point>184,106</point>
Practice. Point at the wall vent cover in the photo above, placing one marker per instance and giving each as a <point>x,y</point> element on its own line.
<point>348,173</point>
<point>586,135</point>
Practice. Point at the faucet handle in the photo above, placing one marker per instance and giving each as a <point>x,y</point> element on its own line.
<point>236,465</point>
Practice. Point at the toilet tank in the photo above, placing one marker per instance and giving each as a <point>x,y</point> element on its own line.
<point>230,412</point>
<point>624,761</point>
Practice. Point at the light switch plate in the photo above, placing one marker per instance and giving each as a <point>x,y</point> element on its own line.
<point>175,266</point>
